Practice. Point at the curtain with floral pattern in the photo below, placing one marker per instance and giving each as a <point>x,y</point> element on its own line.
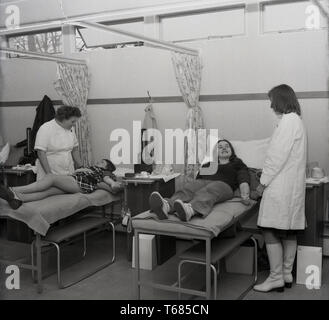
<point>188,70</point>
<point>73,87</point>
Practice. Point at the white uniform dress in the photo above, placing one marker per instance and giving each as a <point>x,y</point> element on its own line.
<point>58,144</point>
<point>283,202</point>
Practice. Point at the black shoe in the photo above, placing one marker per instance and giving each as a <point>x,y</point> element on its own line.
<point>9,196</point>
<point>6,193</point>
<point>15,203</point>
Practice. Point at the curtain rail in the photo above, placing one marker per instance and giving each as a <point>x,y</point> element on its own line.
<point>42,56</point>
<point>155,42</point>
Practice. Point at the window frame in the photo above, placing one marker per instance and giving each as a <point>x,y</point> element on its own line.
<point>263,4</point>
<point>31,33</point>
<point>114,45</point>
<point>220,8</point>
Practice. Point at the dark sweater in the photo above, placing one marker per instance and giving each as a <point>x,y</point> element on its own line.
<point>233,173</point>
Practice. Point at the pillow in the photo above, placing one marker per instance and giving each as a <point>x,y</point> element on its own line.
<point>252,152</point>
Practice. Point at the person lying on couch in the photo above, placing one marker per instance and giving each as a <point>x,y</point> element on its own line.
<point>200,195</point>
<point>84,180</point>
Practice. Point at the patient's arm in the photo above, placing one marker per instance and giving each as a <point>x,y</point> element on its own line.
<point>245,192</point>
<point>104,186</point>
<point>83,170</point>
<point>110,185</point>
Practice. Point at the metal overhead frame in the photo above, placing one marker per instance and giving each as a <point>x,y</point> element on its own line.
<point>42,56</point>
<point>323,9</point>
<point>154,42</point>
<point>89,21</point>
<point>105,28</point>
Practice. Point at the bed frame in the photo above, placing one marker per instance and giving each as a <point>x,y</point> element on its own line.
<point>207,261</point>
<point>61,234</point>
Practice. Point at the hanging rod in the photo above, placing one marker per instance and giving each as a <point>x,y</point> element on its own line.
<point>152,41</point>
<point>42,56</point>
<point>322,8</point>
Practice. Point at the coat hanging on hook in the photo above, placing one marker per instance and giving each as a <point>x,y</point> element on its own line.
<point>150,98</point>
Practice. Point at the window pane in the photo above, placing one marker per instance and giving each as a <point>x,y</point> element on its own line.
<point>47,42</point>
<point>288,16</point>
<point>96,38</point>
<point>226,22</point>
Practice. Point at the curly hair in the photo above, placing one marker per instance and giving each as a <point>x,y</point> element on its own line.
<point>67,112</point>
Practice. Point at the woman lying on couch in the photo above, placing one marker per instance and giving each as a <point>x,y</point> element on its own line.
<point>200,195</point>
<point>84,180</point>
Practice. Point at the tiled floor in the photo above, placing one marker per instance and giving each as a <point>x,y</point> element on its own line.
<point>116,281</point>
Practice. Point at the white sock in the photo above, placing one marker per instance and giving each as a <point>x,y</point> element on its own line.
<point>165,206</point>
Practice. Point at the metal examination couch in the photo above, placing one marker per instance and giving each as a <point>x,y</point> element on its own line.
<point>210,249</point>
<point>41,216</point>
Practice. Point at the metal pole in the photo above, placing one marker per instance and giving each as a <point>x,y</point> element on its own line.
<point>208,270</point>
<point>322,8</point>
<point>42,56</point>
<point>137,270</point>
<point>38,247</point>
<point>155,42</point>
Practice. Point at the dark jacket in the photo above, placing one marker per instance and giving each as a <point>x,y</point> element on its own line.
<point>44,112</point>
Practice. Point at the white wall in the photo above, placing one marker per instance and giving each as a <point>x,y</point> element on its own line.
<point>248,64</point>
<point>51,9</point>
<point>23,80</point>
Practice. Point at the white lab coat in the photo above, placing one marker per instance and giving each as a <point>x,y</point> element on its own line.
<point>284,173</point>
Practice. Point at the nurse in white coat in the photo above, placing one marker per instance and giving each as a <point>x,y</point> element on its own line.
<point>282,208</point>
<point>57,145</point>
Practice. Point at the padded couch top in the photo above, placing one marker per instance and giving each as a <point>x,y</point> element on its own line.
<point>39,215</point>
<point>222,216</point>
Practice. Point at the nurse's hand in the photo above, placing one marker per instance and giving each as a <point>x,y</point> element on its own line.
<point>260,189</point>
<point>246,200</point>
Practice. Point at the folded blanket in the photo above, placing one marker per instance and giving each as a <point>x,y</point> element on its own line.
<point>39,215</point>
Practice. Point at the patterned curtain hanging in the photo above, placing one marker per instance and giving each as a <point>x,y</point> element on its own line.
<point>73,87</point>
<point>188,70</point>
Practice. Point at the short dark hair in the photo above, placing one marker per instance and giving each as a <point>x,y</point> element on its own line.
<point>109,165</point>
<point>67,112</point>
<point>284,100</point>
